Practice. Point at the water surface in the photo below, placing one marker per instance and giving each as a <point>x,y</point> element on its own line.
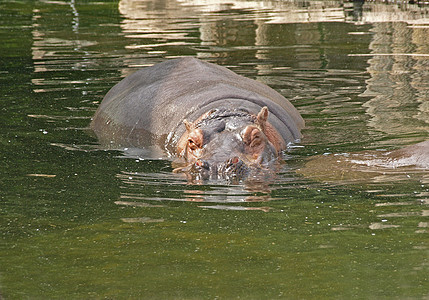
<point>78,221</point>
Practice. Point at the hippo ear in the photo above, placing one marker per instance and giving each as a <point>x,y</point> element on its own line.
<point>262,116</point>
<point>188,125</point>
<point>270,131</point>
<point>181,145</point>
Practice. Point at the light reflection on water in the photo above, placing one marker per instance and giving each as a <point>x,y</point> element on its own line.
<point>121,225</point>
<point>170,187</point>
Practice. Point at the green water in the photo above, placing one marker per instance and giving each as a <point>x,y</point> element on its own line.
<point>81,222</point>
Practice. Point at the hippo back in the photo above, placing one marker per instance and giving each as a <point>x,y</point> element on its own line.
<point>414,155</point>
<point>149,106</point>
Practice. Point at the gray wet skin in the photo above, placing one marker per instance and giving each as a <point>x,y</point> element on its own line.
<point>148,107</point>
<point>166,105</point>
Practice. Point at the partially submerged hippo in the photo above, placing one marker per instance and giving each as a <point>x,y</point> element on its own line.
<point>220,123</point>
<point>217,121</point>
<point>368,165</point>
<point>415,155</point>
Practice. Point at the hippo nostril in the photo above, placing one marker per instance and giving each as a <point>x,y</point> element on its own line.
<point>201,164</point>
<point>233,161</point>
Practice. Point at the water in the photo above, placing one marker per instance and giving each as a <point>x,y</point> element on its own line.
<point>78,221</point>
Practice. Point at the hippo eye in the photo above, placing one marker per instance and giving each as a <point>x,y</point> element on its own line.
<point>195,139</point>
<point>192,145</point>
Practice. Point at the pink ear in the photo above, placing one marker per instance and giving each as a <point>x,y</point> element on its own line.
<point>263,116</point>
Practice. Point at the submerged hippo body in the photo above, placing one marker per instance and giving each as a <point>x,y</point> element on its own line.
<point>414,155</point>
<point>368,166</point>
<point>205,113</point>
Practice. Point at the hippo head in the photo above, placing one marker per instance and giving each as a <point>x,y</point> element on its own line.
<point>229,142</point>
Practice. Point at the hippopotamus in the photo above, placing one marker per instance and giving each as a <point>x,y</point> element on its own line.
<point>414,155</point>
<point>366,166</point>
<point>217,121</point>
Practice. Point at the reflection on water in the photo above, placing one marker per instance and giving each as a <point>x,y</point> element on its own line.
<point>289,11</point>
<point>399,82</point>
<point>83,222</point>
<point>166,187</point>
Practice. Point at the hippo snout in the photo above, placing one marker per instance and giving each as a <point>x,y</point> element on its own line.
<point>233,167</point>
